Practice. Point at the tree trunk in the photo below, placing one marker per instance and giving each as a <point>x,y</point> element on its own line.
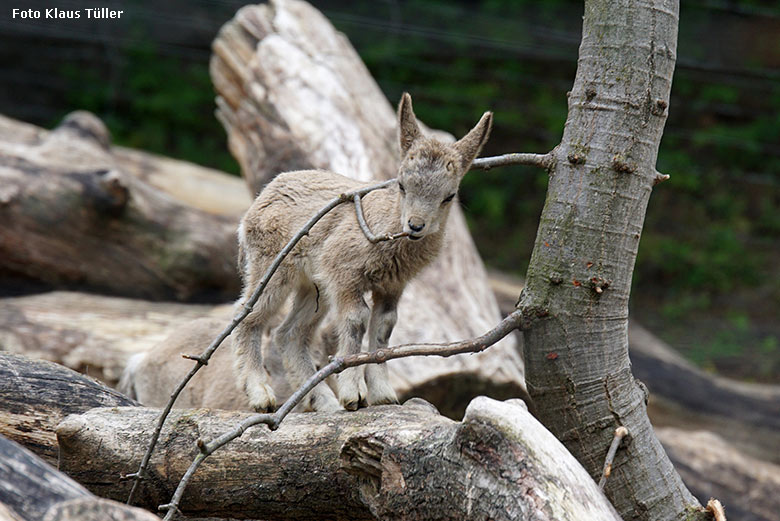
<point>392,462</point>
<point>31,490</point>
<point>293,94</point>
<point>71,216</point>
<point>36,395</point>
<point>579,277</point>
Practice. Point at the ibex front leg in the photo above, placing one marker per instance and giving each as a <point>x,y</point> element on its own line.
<point>383,318</point>
<point>353,316</point>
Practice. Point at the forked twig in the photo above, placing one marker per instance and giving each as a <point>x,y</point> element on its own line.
<point>620,433</point>
<point>336,365</point>
<point>203,359</point>
<point>373,239</point>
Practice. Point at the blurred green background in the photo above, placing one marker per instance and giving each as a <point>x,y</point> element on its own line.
<point>707,278</point>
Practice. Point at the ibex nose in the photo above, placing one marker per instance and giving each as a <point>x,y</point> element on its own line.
<point>416,226</point>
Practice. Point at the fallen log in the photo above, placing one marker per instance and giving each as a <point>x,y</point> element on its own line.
<point>193,185</point>
<point>390,462</point>
<point>36,395</point>
<point>90,333</point>
<point>32,490</point>
<point>73,217</point>
<point>681,395</point>
<point>293,94</point>
<point>711,467</point>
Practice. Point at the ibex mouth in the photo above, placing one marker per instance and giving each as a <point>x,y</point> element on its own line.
<point>415,237</point>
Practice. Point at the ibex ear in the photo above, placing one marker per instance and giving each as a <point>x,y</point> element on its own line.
<point>408,129</point>
<point>470,144</point>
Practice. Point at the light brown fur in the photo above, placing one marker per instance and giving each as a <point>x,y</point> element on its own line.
<point>335,266</point>
<point>150,377</point>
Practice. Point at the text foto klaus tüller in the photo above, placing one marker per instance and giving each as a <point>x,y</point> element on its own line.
<point>55,12</point>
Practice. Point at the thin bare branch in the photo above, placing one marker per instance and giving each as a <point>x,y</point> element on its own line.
<point>620,433</point>
<point>373,239</point>
<point>245,310</point>
<point>539,160</point>
<point>336,365</point>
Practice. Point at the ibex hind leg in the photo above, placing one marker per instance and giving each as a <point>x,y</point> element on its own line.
<point>252,374</point>
<point>293,338</point>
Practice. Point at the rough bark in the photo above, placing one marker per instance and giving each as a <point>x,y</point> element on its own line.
<point>391,462</point>
<point>292,94</point>
<point>32,490</point>
<point>72,216</point>
<point>578,280</point>
<point>36,395</point>
<point>711,467</point>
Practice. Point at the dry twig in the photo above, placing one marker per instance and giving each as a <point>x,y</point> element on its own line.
<point>620,433</point>
<point>373,239</point>
<point>539,160</point>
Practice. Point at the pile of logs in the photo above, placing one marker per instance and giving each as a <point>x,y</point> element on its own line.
<point>107,253</point>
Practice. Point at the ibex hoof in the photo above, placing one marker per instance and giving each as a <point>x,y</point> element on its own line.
<point>351,405</point>
<point>261,397</point>
<point>324,401</point>
<point>352,388</point>
<point>383,399</point>
<point>265,408</point>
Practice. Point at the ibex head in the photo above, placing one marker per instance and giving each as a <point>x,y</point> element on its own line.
<point>430,170</point>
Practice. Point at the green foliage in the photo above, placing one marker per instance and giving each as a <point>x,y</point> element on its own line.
<point>155,103</point>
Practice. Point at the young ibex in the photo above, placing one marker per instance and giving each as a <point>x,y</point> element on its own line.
<point>336,266</point>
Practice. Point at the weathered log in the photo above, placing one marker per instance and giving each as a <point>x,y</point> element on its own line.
<point>711,467</point>
<point>391,462</point>
<point>293,94</point>
<point>32,490</point>
<point>72,216</point>
<point>36,395</point>
<point>90,333</point>
<point>681,395</point>
<point>196,186</point>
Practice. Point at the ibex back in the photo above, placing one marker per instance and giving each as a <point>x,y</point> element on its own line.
<point>335,267</point>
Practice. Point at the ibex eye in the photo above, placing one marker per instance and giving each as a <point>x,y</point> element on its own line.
<point>401,187</point>
<point>448,198</point>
